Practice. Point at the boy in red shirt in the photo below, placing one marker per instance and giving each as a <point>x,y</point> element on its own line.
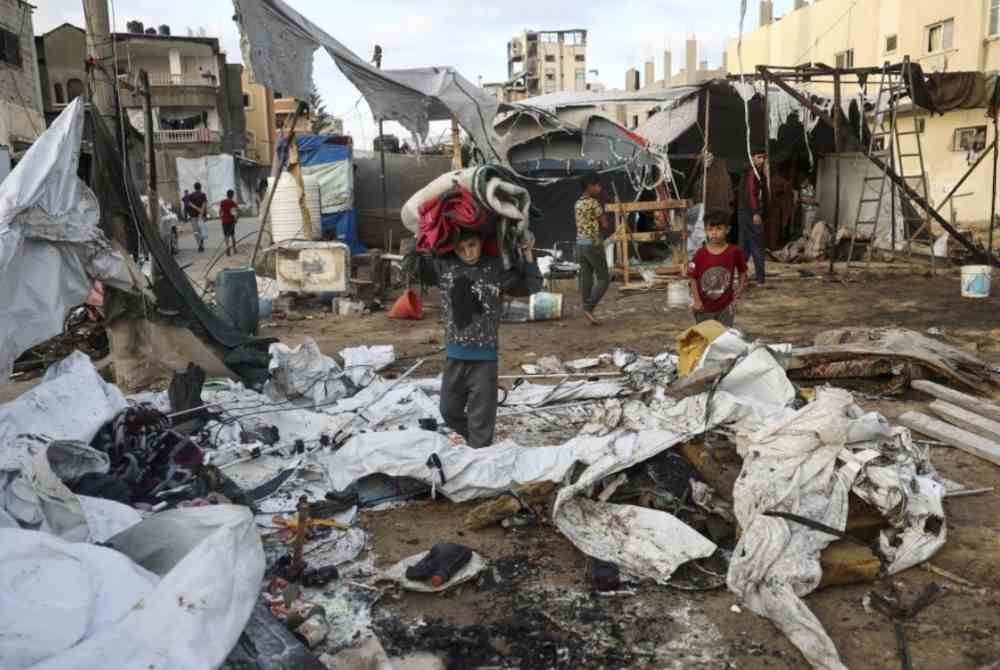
<point>712,272</point>
<point>228,213</point>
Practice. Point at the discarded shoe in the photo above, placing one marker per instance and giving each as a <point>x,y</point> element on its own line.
<point>440,564</point>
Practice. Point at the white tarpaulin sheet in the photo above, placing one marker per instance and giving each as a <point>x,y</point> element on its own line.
<point>175,595</point>
<point>336,185</point>
<point>278,45</point>
<point>807,463</point>
<point>216,173</point>
<point>51,249</point>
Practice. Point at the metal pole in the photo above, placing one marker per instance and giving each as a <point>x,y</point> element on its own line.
<point>993,199</point>
<point>152,190</point>
<point>832,249</point>
<point>381,156</point>
<point>277,166</point>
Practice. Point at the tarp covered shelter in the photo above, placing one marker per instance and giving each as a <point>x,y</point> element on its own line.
<point>278,45</point>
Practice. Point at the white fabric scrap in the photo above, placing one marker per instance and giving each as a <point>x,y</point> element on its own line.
<point>304,372</point>
<point>377,357</point>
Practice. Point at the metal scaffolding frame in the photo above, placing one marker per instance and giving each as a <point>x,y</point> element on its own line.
<point>781,76</point>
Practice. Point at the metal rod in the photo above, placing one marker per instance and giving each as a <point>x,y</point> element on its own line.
<point>193,409</point>
<point>561,375</point>
<point>968,492</point>
<point>836,148</point>
<point>967,174</point>
<point>895,178</point>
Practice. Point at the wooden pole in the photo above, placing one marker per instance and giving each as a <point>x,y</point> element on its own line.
<point>993,193</point>
<point>277,166</point>
<point>704,150</point>
<point>456,145</point>
<point>152,190</point>
<point>99,47</point>
<point>832,247</point>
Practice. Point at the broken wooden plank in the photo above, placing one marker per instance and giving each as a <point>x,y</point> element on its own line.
<point>967,420</point>
<point>960,439</point>
<point>645,206</point>
<point>498,509</point>
<point>981,407</point>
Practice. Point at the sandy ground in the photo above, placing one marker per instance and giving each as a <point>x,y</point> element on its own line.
<point>690,630</point>
<point>664,627</point>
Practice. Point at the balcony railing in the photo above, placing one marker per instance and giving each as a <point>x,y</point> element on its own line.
<point>201,135</point>
<point>167,79</point>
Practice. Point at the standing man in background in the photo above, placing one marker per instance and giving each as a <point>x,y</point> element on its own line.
<point>752,202</point>
<point>198,202</point>
<point>591,225</point>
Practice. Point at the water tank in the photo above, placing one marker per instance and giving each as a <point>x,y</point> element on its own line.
<point>165,30</point>
<point>135,27</point>
<point>287,222</point>
<point>150,31</point>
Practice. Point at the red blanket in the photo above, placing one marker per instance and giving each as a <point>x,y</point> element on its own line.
<point>441,218</point>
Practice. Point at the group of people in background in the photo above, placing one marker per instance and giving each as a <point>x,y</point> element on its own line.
<point>194,208</point>
<point>718,271</point>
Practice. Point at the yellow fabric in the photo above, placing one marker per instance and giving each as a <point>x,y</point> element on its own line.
<point>691,344</point>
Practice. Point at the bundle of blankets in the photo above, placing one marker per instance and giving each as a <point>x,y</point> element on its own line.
<point>485,198</point>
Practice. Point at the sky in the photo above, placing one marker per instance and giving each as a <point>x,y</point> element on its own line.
<point>470,35</point>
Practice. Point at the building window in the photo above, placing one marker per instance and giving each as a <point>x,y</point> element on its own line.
<point>635,121</point>
<point>845,59</point>
<point>551,38</point>
<point>940,36</point>
<point>920,125</point>
<point>549,58</point>
<point>550,76</point>
<point>278,95</point>
<point>892,42</point>
<point>575,39</point>
<point>581,80</point>
<point>10,48</point>
<point>247,101</point>
<point>994,17</point>
<point>969,139</point>
<point>74,89</point>
<point>59,95</point>
<point>580,58</point>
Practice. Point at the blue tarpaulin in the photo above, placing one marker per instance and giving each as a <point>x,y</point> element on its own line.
<point>343,227</point>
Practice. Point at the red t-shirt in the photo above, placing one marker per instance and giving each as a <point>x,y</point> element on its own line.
<point>713,275</point>
<point>226,208</point>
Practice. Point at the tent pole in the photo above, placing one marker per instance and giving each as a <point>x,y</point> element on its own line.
<point>277,166</point>
<point>836,144</point>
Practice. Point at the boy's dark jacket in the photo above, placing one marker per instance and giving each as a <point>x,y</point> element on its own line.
<point>471,301</point>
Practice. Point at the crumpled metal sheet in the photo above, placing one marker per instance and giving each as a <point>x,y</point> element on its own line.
<point>538,395</point>
<point>51,248</point>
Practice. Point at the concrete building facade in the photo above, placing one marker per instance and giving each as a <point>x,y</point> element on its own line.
<point>258,106</point>
<point>547,61</point>
<point>941,37</point>
<point>21,119</point>
<point>61,55</point>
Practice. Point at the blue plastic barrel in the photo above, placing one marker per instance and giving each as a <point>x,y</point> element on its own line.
<point>236,295</point>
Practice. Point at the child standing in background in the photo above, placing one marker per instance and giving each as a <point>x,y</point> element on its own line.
<point>229,214</point>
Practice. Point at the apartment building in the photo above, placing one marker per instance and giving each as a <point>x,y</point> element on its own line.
<point>21,120</point>
<point>940,36</point>
<point>546,61</point>
<point>258,106</point>
<point>198,106</point>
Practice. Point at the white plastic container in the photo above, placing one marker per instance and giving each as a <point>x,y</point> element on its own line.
<point>976,281</point>
<point>313,267</point>
<point>287,222</point>
<point>678,294</point>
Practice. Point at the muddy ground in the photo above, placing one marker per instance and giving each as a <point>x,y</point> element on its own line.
<point>662,627</point>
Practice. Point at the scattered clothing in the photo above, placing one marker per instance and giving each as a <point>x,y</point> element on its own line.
<point>713,276</point>
<point>440,564</point>
<point>594,275</point>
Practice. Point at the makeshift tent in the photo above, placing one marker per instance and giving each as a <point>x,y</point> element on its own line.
<point>278,45</point>
<point>331,160</point>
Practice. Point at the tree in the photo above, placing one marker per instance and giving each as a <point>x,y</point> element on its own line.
<point>319,116</point>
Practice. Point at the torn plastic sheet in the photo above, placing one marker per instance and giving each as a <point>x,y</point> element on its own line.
<point>397,573</point>
<point>375,357</point>
<point>198,569</point>
<point>807,463</point>
<point>538,395</point>
<point>278,45</point>
<point>72,402</point>
<point>51,248</point>
<point>305,372</point>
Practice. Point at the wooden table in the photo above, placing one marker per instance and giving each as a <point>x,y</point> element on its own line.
<point>624,235</point>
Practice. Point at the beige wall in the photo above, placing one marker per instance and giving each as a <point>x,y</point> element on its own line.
<point>818,31</point>
<point>21,117</point>
<point>260,120</point>
<point>63,62</point>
